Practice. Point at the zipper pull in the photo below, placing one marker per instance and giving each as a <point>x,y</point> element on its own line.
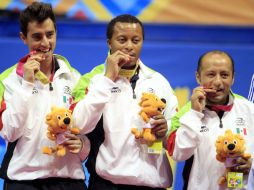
<point>134,95</point>
<point>221,124</point>
<point>50,87</point>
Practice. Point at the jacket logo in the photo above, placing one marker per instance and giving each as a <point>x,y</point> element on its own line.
<point>115,90</point>
<point>241,126</point>
<point>67,90</point>
<point>240,121</point>
<point>151,90</point>
<point>204,129</point>
<point>34,91</point>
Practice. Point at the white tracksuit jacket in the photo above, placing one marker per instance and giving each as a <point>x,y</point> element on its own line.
<point>24,119</point>
<point>120,158</point>
<point>192,139</point>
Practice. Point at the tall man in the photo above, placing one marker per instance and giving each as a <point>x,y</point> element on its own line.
<point>25,103</point>
<point>212,110</point>
<point>114,92</point>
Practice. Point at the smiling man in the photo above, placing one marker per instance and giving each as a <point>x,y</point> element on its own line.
<point>212,110</point>
<point>118,160</point>
<point>26,99</point>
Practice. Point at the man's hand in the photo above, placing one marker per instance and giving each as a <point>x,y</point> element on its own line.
<point>114,63</point>
<point>198,98</point>
<point>74,143</point>
<point>243,165</point>
<point>31,66</point>
<point>160,126</point>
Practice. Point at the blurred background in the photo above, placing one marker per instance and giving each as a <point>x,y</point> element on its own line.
<point>177,32</point>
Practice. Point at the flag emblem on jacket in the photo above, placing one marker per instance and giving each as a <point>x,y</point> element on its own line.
<point>241,131</point>
<point>67,99</point>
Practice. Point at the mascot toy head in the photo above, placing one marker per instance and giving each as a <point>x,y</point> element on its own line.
<point>151,105</point>
<point>229,147</point>
<point>59,120</point>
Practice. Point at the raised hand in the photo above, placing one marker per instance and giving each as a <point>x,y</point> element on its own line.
<point>198,98</point>
<point>31,66</point>
<point>114,63</point>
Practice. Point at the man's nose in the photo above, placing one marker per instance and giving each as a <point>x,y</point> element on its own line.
<point>217,80</point>
<point>129,44</point>
<point>44,41</point>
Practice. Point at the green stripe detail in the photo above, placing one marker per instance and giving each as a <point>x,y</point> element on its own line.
<point>239,96</point>
<point>175,124</point>
<point>80,89</point>
<point>3,76</point>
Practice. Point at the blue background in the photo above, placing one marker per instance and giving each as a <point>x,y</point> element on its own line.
<point>173,50</point>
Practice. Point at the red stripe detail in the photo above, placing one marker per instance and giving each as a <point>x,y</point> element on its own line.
<point>171,143</point>
<point>225,108</point>
<point>86,91</point>
<point>72,106</point>
<point>3,107</point>
<point>244,131</point>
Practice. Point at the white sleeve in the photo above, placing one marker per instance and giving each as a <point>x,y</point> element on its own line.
<point>89,110</point>
<point>18,99</point>
<point>187,135</point>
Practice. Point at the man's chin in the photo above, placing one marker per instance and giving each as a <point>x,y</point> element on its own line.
<point>130,65</point>
<point>217,100</point>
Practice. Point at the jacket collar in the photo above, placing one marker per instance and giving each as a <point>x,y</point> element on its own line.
<point>145,71</point>
<point>60,65</point>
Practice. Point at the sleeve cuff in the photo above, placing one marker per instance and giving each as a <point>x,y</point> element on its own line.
<point>85,148</point>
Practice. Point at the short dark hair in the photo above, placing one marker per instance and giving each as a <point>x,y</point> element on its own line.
<point>126,18</point>
<point>37,11</point>
<point>215,52</point>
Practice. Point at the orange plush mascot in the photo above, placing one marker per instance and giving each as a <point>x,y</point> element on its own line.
<point>59,122</point>
<point>229,147</point>
<point>151,105</point>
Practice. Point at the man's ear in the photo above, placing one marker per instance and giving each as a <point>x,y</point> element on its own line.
<point>23,37</point>
<point>109,44</point>
<point>198,78</point>
<point>233,80</point>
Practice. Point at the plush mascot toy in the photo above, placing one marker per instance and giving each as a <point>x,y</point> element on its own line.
<point>229,147</point>
<point>151,105</point>
<point>59,122</point>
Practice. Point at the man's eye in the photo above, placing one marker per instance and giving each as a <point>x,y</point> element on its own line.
<point>37,37</point>
<point>135,41</point>
<point>121,40</point>
<point>50,35</point>
<point>225,75</point>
